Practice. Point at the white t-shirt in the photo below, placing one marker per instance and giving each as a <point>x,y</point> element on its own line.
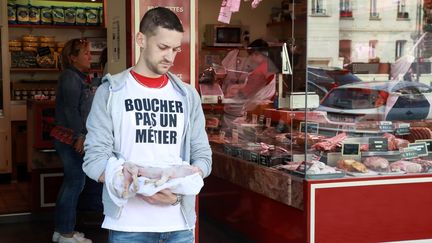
<point>152,131</point>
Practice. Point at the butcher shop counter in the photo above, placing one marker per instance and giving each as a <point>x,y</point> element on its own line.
<point>268,205</point>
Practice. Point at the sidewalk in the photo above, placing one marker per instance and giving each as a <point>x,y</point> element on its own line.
<point>22,228</point>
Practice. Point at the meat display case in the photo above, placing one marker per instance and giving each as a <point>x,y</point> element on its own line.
<point>268,205</point>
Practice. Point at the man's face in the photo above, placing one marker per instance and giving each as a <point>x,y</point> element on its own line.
<point>159,51</point>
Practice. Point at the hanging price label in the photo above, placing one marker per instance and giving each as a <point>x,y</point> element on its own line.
<point>420,147</point>
<point>428,143</point>
<point>409,153</point>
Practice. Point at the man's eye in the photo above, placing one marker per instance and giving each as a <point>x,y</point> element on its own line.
<point>177,49</point>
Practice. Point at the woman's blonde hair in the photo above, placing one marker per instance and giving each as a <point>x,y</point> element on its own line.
<point>72,48</point>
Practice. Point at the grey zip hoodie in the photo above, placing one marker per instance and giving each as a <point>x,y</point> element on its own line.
<point>104,131</point>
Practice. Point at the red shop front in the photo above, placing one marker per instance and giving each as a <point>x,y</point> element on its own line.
<point>268,205</point>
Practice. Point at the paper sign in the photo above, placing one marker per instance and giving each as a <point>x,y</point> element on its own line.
<point>311,127</point>
<point>234,5</point>
<point>350,149</point>
<point>286,65</point>
<point>224,13</point>
<point>420,147</point>
<point>378,144</point>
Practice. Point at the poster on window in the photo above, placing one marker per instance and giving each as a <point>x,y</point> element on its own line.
<point>182,63</point>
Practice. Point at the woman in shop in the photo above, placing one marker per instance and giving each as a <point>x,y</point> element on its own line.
<point>73,101</point>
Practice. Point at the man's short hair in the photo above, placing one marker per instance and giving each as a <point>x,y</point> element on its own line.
<point>159,17</point>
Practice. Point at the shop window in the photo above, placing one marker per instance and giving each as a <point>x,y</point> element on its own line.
<point>373,14</point>
<point>372,49</point>
<point>345,9</point>
<point>400,47</point>
<point>345,51</point>
<point>401,10</point>
<point>318,7</point>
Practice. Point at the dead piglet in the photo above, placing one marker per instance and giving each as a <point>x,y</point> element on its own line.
<point>130,173</point>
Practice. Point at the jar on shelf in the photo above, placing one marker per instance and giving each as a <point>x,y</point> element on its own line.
<point>17,94</point>
<point>30,46</point>
<point>15,45</point>
<point>30,38</point>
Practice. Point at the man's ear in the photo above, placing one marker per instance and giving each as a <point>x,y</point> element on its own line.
<point>140,39</point>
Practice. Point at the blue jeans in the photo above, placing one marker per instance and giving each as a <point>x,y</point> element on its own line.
<point>73,184</point>
<point>183,236</point>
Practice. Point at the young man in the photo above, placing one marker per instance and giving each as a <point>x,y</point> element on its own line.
<point>150,117</point>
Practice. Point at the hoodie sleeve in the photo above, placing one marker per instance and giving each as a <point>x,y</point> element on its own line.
<point>99,142</point>
<point>201,155</point>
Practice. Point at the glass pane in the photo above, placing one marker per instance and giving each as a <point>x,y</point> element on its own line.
<point>372,60</point>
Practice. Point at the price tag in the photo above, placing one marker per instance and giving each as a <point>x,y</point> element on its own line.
<point>351,149</point>
<point>311,127</point>
<point>261,120</point>
<point>402,128</point>
<point>428,143</point>
<point>42,51</point>
<point>268,122</point>
<point>386,126</point>
<point>254,118</point>
<point>222,135</point>
<point>409,153</point>
<point>378,144</point>
<point>420,147</point>
<point>234,135</point>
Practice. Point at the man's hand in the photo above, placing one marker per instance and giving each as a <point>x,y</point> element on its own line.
<point>164,197</point>
<point>102,177</point>
<point>197,169</point>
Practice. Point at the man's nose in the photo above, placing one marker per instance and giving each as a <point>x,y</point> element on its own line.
<point>170,56</point>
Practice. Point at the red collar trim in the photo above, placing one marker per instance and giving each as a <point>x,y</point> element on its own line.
<point>155,83</point>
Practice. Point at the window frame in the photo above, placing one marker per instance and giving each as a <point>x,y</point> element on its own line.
<point>318,8</point>
<point>373,10</point>
<point>400,48</point>
<point>345,9</point>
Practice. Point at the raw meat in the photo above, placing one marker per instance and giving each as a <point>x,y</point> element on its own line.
<point>426,164</point>
<point>330,144</point>
<point>376,164</point>
<point>395,143</point>
<point>408,167</point>
<point>351,165</point>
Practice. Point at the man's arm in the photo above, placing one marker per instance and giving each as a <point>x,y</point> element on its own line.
<point>201,155</point>
<point>99,140</point>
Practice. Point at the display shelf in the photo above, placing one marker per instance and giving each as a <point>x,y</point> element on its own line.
<point>42,26</point>
<point>16,70</point>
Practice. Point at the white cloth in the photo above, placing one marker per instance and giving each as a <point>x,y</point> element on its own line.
<point>187,185</point>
